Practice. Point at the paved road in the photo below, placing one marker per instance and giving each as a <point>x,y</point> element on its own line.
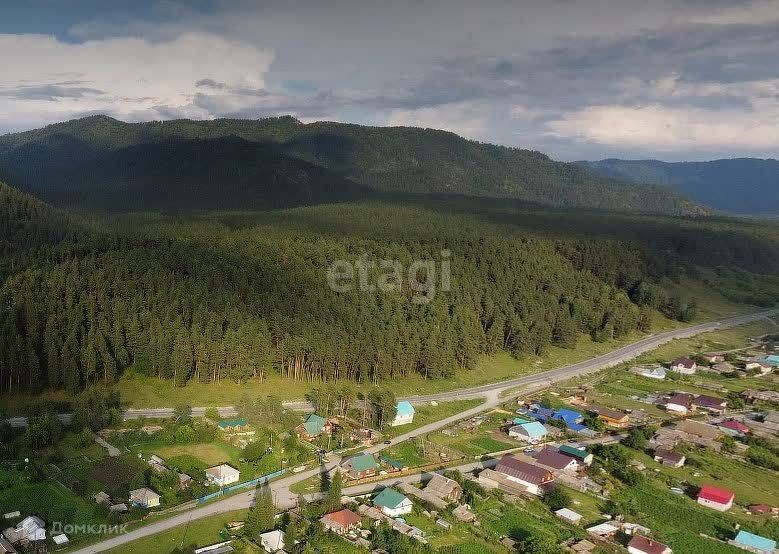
<point>285,499</point>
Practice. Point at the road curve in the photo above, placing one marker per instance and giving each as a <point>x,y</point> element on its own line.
<point>285,499</point>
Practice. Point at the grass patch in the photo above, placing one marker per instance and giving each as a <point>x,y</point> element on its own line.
<point>208,453</point>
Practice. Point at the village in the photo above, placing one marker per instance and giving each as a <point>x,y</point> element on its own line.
<point>595,464</point>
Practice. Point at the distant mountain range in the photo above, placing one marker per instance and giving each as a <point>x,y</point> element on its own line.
<point>100,162</point>
<point>740,186</point>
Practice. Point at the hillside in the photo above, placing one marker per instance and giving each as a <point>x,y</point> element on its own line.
<point>240,295</point>
<point>746,186</point>
<point>336,160</point>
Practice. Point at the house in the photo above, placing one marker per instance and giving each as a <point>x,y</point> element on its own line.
<point>684,365</point>
<point>145,498</point>
<point>102,498</point>
<point>223,547</point>
<point>61,539</point>
<point>232,425</point>
<point>609,416</point>
<point>31,528</point>
<point>710,403</point>
<point>556,461</point>
<point>464,513</point>
<point>640,544</point>
<point>669,457</point>
<point>579,454</point>
<point>772,359</point>
<point>185,481</point>
<point>222,475</point>
<point>392,503</point>
<point>6,547</point>
<point>699,429</point>
<point>359,466</point>
<point>716,498</point>
<point>761,509</point>
<point>341,522</point>
<point>404,413</point>
<point>532,432</point>
<point>753,543</point>
<point>734,428</point>
<point>713,357</point>
<point>680,402</point>
<point>724,367</point>
<point>603,530</point>
<point>119,508</point>
<point>569,515</point>
<point>444,488</point>
<point>759,364</point>
<point>531,477</point>
<point>272,541</point>
<point>312,427</point>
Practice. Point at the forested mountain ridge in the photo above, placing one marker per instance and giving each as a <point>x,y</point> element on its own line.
<point>739,185</point>
<point>238,295</point>
<point>390,159</point>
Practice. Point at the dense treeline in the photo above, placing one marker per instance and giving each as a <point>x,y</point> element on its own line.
<point>236,296</point>
<point>101,162</point>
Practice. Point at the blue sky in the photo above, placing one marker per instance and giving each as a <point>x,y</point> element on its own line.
<point>577,79</point>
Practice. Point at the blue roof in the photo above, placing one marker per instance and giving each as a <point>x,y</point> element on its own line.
<point>772,359</point>
<point>520,420</point>
<point>544,412</point>
<point>569,416</point>
<point>405,408</point>
<point>534,429</point>
<point>755,541</point>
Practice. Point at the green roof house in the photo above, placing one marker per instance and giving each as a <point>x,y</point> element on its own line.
<point>313,426</point>
<point>232,424</point>
<point>392,503</point>
<point>579,454</point>
<point>360,466</point>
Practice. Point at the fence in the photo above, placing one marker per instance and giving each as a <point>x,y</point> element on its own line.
<point>244,485</point>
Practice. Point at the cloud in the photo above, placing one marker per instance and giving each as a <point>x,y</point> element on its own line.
<point>134,78</point>
<point>468,119</point>
<point>663,129</point>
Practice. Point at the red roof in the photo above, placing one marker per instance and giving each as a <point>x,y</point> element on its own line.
<point>681,399</point>
<point>648,545</point>
<point>735,426</point>
<point>345,518</point>
<point>706,401</point>
<point>715,494</point>
<point>509,465</point>
<point>760,508</point>
<point>552,458</point>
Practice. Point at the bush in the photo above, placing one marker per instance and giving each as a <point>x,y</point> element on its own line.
<point>557,498</point>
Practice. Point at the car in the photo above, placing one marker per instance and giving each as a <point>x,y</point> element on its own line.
<point>387,441</point>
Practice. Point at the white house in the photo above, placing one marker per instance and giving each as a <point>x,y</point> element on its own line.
<point>222,475</point>
<point>145,498</point>
<point>404,413</point>
<point>531,432</point>
<point>681,403</point>
<point>685,366</point>
<point>272,541</point>
<point>716,498</point>
<point>392,503</point>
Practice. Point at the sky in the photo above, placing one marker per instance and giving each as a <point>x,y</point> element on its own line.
<point>576,79</point>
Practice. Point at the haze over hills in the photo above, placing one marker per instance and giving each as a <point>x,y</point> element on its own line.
<point>740,185</point>
<point>280,161</point>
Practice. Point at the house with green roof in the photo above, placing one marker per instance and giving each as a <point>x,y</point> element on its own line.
<point>232,425</point>
<point>754,543</point>
<point>360,466</point>
<point>392,503</point>
<point>312,427</point>
<point>579,454</point>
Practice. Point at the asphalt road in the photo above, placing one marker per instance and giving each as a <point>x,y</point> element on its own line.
<point>285,499</point>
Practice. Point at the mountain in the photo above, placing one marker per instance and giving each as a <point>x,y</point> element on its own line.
<point>741,185</point>
<point>100,160</point>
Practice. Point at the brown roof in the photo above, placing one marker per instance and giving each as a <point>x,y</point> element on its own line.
<point>509,465</point>
<point>705,401</point>
<point>550,457</point>
<point>669,455</point>
<point>442,486</point>
<point>703,430</point>
<point>684,362</point>
<point>345,518</point>
<point>647,545</point>
<point>681,399</point>
<point>606,412</point>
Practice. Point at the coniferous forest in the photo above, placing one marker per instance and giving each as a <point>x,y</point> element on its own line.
<point>195,294</point>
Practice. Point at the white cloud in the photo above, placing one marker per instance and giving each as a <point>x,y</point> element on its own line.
<point>758,12</point>
<point>45,79</point>
<point>468,119</point>
<point>667,129</point>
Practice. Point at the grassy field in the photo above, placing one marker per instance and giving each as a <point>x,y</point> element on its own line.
<point>202,532</point>
<point>209,453</point>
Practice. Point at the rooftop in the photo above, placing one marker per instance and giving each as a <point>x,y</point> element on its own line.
<point>405,408</point>
<point>755,541</point>
<point>647,545</point>
<point>389,498</point>
<point>530,473</point>
<point>344,518</point>
<point>715,494</point>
